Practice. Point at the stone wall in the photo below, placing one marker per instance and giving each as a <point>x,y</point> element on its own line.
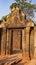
<point>18,39</point>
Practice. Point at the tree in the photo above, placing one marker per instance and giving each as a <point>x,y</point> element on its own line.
<point>26,6</point>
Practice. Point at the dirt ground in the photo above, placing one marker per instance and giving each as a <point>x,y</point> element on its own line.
<point>26,61</point>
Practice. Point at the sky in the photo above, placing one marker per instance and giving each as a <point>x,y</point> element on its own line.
<point>5,7</point>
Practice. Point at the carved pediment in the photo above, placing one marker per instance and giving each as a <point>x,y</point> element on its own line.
<point>15,19</point>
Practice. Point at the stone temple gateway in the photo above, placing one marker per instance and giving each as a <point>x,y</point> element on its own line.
<point>17,34</point>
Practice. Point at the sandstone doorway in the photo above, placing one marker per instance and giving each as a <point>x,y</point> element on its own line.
<point>14,41</point>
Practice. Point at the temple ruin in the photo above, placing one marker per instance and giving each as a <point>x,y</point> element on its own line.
<point>17,34</point>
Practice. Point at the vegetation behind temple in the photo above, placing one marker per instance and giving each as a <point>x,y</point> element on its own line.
<point>26,6</point>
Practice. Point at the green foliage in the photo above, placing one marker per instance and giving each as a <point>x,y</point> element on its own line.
<point>13,5</point>
<point>26,6</point>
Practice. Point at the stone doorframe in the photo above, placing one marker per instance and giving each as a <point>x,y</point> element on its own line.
<point>10,35</point>
<point>4,40</point>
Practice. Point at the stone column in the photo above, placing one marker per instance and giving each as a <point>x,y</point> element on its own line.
<point>31,42</point>
<point>23,41</point>
<point>27,40</point>
<point>8,45</point>
<point>3,42</point>
<point>35,41</point>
